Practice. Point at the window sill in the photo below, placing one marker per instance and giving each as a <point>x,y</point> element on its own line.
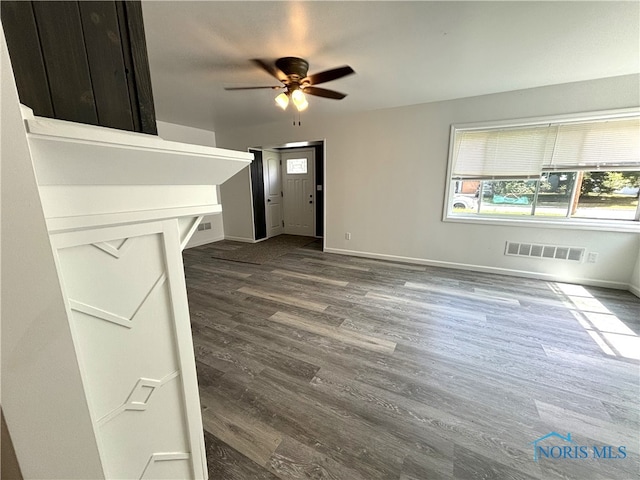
<point>573,224</point>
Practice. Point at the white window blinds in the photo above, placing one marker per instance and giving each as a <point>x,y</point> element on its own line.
<point>524,152</point>
<point>506,153</point>
<point>607,145</point>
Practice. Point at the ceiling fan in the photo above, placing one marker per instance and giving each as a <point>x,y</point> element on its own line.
<point>292,72</point>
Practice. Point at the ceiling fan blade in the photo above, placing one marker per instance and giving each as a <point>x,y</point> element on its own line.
<point>271,69</point>
<point>323,92</point>
<point>278,87</point>
<point>329,75</point>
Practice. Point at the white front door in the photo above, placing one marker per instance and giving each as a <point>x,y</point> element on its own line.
<point>298,169</point>
<point>272,192</point>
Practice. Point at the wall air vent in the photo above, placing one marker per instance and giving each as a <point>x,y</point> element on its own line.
<point>557,252</point>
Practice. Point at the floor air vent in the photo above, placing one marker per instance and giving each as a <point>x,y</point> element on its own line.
<point>575,254</point>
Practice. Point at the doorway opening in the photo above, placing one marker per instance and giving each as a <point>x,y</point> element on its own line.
<point>287,184</point>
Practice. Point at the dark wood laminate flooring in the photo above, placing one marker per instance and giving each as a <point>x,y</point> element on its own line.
<point>331,367</point>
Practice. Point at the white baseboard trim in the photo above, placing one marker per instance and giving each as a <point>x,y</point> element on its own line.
<point>635,290</point>
<point>481,268</point>
<point>239,239</point>
<point>204,241</point>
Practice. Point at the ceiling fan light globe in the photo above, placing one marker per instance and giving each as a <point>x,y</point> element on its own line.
<point>303,105</point>
<point>282,101</point>
<point>299,100</point>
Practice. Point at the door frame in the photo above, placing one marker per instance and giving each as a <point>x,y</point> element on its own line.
<point>320,147</point>
<point>256,192</point>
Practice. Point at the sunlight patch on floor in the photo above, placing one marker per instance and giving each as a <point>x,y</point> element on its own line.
<point>611,334</point>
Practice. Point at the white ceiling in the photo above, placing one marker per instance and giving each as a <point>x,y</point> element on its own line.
<point>403,53</point>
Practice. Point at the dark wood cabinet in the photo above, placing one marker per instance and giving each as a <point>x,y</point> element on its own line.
<point>82,61</point>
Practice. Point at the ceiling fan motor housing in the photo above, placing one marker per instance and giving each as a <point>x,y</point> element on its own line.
<point>292,73</point>
<point>293,67</point>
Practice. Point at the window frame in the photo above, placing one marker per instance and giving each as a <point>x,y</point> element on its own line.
<point>537,222</point>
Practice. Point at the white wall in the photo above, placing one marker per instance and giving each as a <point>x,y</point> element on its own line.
<point>237,204</point>
<point>386,175</point>
<point>37,352</point>
<point>197,136</point>
<point>634,283</point>
<point>182,133</point>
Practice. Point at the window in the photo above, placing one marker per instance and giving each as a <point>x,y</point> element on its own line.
<point>296,166</point>
<point>583,172</point>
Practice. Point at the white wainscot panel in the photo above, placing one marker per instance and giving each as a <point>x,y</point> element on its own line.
<point>124,327</point>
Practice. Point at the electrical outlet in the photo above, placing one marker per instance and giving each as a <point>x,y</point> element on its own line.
<point>347,236</point>
<point>592,257</point>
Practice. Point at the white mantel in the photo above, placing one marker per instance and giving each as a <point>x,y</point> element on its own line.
<point>98,367</point>
<point>79,154</point>
<point>90,175</point>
